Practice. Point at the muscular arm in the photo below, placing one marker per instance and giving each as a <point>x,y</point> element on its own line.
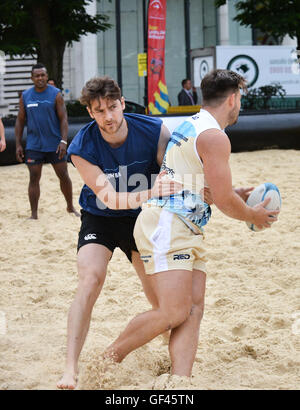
<point>164,138</point>
<point>95,179</point>
<point>20,122</point>
<point>19,128</point>
<point>2,137</point>
<point>62,116</point>
<point>214,148</point>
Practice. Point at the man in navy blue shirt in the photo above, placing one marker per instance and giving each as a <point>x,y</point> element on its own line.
<point>43,110</point>
<point>117,156</point>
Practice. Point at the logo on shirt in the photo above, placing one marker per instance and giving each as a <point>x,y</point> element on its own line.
<point>113,175</point>
<point>32,105</point>
<point>90,236</point>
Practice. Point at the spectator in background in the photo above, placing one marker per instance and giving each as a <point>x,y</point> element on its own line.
<point>188,94</point>
<point>2,137</point>
<point>43,109</point>
<point>52,82</point>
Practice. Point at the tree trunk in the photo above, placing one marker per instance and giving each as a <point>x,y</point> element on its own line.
<point>51,50</point>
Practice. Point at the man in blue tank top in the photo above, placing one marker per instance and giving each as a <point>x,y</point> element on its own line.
<point>117,156</point>
<point>43,109</point>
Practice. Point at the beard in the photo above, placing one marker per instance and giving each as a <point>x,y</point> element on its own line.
<point>113,128</point>
<point>233,118</point>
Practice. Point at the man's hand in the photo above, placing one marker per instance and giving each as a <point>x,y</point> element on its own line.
<point>19,153</point>
<point>164,186</point>
<point>2,145</point>
<point>243,192</point>
<point>262,217</point>
<point>61,150</point>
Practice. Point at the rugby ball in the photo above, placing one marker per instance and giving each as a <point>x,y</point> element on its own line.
<point>263,191</point>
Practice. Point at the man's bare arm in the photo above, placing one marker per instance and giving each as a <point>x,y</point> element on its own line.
<point>97,181</point>
<point>164,138</point>
<point>63,121</point>
<point>62,116</point>
<point>214,148</point>
<point>19,128</point>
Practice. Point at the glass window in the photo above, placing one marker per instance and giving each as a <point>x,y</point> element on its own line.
<point>132,38</point>
<point>107,41</point>
<point>175,70</point>
<point>239,35</point>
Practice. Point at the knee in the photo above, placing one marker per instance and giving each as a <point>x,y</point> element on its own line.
<point>64,176</point>
<point>197,309</point>
<point>34,178</point>
<point>90,282</point>
<point>176,316</point>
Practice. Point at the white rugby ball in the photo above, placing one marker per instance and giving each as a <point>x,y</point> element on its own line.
<point>263,191</point>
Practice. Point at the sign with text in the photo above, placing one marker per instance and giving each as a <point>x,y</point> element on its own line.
<point>262,65</point>
<point>158,100</point>
<point>142,64</point>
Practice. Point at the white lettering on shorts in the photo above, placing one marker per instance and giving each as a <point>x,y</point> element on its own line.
<point>90,236</point>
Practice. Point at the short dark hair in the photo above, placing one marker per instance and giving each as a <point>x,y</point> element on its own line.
<point>183,82</point>
<point>100,87</point>
<point>218,84</point>
<point>38,66</point>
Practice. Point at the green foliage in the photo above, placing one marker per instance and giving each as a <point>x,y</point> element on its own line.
<point>260,98</point>
<point>274,17</point>
<point>45,27</point>
<point>67,19</point>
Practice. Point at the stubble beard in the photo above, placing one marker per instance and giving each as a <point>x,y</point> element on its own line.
<point>109,132</point>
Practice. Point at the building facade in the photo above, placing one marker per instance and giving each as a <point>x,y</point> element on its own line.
<point>191,25</point>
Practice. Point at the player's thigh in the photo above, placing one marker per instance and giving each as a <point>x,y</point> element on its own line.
<point>174,290</point>
<point>61,169</point>
<point>199,285</point>
<point>92,261</point>
<point>144,278</point>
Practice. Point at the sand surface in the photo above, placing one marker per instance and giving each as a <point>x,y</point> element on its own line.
<point>250,333</point>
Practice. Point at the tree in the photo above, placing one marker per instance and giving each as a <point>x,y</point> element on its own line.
<point>44,28</point>
<point>274,17</point>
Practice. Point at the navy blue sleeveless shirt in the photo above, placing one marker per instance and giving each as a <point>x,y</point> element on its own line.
<point>43,127</point>
<point>128,167</point>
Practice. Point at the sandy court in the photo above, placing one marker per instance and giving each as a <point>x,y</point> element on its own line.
<point>250,334</point>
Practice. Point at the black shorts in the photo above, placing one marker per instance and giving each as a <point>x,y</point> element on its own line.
<point>38,157</point>
<point>111,232</point>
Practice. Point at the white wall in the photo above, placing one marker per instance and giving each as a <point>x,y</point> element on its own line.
<point>80,61</point>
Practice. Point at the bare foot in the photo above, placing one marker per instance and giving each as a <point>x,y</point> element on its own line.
<point>73,211</point>
<point>68,381</point>
<point>33,217</point>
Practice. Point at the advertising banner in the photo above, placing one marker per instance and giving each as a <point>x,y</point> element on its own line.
<point>262,65</point>
<point>158,100</point>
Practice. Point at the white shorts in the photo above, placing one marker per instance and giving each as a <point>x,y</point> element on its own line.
<point>166,243</point>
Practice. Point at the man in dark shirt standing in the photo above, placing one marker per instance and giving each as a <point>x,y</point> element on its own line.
<point>43,109</point>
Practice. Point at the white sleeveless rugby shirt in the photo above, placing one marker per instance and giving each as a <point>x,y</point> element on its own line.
<point>183,164</point>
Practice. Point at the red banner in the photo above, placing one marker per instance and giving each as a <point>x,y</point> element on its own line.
<point>158,101</point>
